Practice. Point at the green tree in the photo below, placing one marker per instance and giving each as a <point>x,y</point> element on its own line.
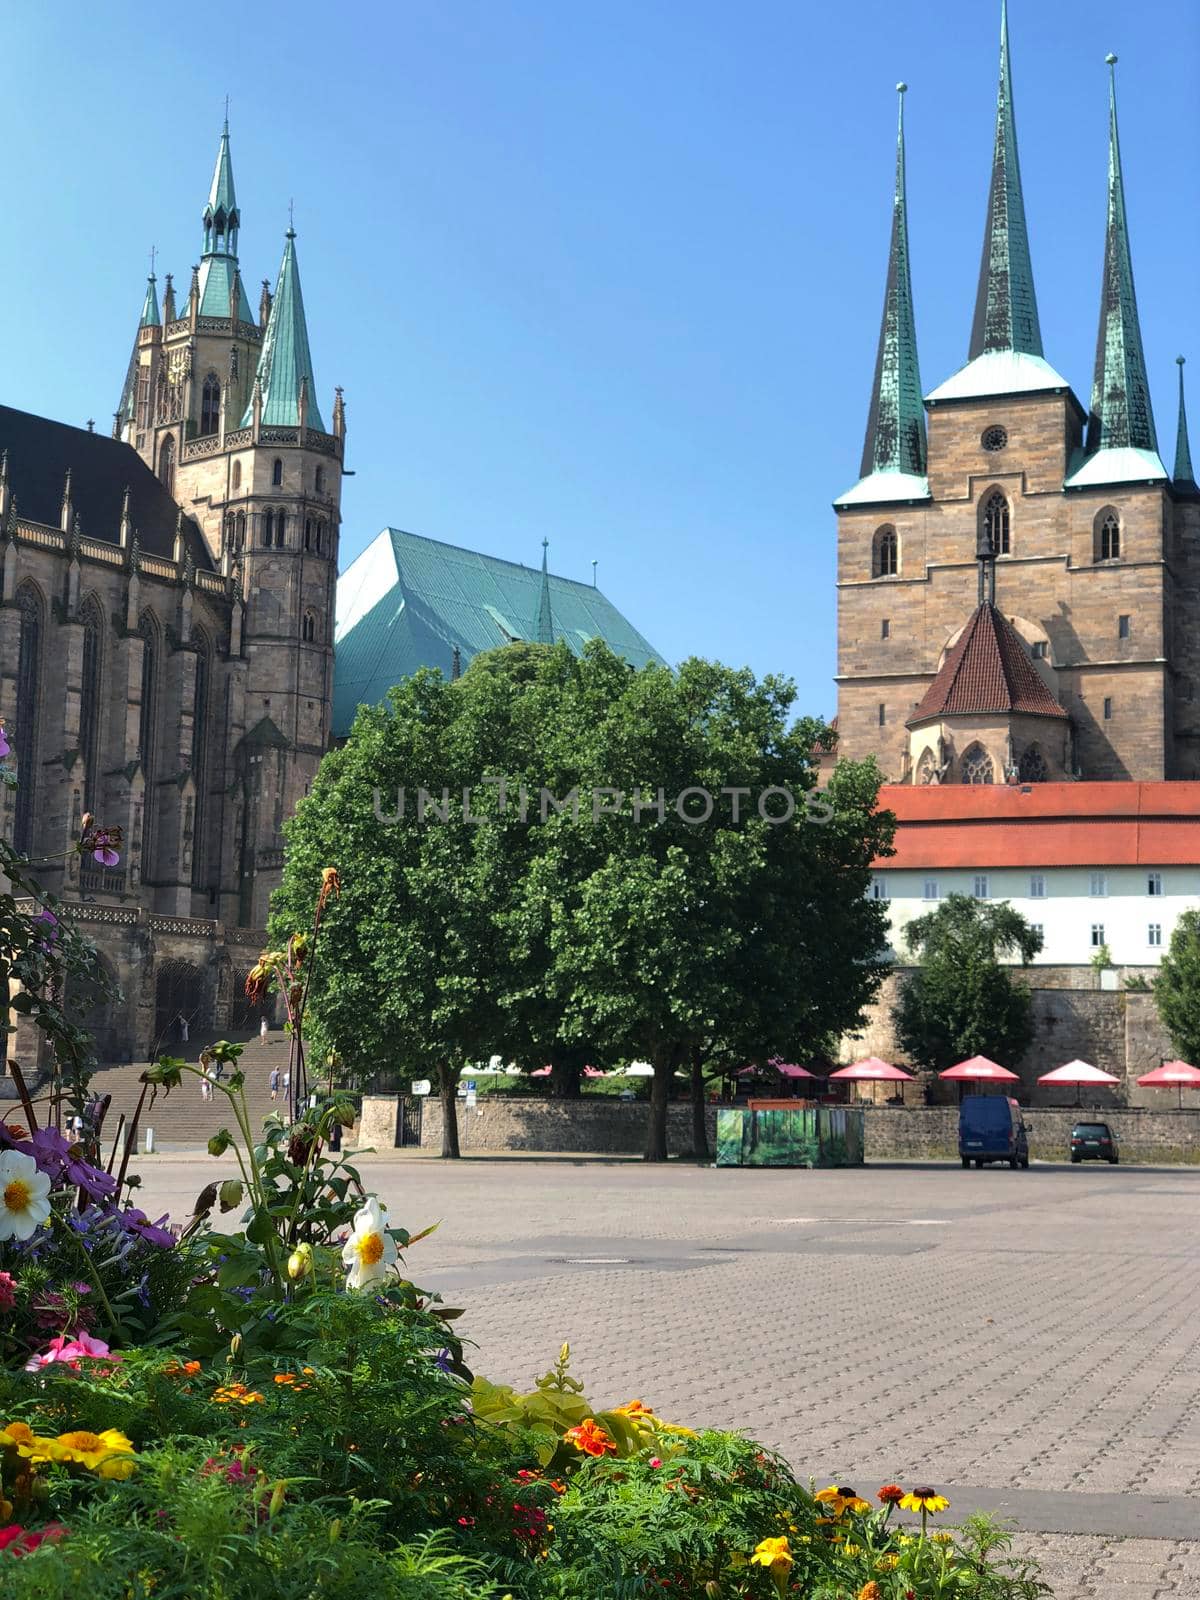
<point>961,1001</point>
<point>1177,987</point>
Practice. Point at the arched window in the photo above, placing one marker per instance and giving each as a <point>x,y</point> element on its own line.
<point>147,741</point>
<point>1108,536</point>
<point>308,533</point>
<point>320,537</point>
<point>166,463</point>
<point>268,527</point>
<point>277,472</point>
<point>239,538</point>
<point>926,767</point>
<point>237,476</point>
<point>90,703</point>
<point>976,765</point>
<point>886,553</point>
<point>199,757</point>
<point>280,528</point>
<point>995,525</point>
<point>320,480</point>
<point>29,676</point>
<point>1032,766</point>
<point>210,404</point>
<point>230,526</point>
<point>308,628</point>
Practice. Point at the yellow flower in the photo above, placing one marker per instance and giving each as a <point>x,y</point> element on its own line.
<point>236,1394</point>
<point>21,1437</point>
<point>90,1449</point>
<point>773,1553</point>
<point>831,1497</point>
<point>856,1503</point>
<point>851,1550</point>
<point>924,1500</point>
<point>633,1408</point>
<point>942,1538</point>
<point>888,1563</point>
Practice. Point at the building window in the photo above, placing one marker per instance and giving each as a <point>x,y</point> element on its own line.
<point>199,757</point>
<point>147,726</point>
<point>977,765</point>
<point>1108,536</point>
<point>277,472</point>
<point>320,480</point>
<point>1097,935</point>
<point>268,524</point>
<point>925,767</point>
<point>1037,886</point>
<point>1122,627</point>
<point>980,890</point>
<point>237,476</point>
<point>89,704</point>
<point>280,528</point>
<point>320,537</point>
<point>994,438</point>
<point>1154,934</point>
<point>931,889</point>
<point>1039,928</point>
<point>210,405</point>
<point>166,463</point>
<point>1098,886</point>
<point>1041,650</point>
<point>1108,708</point>
<point>1154,883</point>
<point>1032,766</point>
<point>239,538</point>
<point>308,533</point>
<point>879,888</point>
<point>995,523</point>
<point>29,671</point>
<point>308,628</point>
<point>885,629</point>
<point>886,554</point>
<point>882,714</point>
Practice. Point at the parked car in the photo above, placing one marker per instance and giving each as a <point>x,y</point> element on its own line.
<point>991,1128</point>
<point>1094,1141</point>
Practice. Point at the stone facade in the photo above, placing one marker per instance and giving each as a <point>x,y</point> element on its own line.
<point>593,1124</point>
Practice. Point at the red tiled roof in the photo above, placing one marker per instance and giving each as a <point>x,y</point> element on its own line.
<point>1044,825</point>
<point>988,670</point>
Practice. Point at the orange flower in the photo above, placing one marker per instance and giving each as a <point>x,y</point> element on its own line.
<point>870,1591</point>
<point>331,883</point>
<point>591,1438</point>
<point>891,1494</point>
<point>173,1369</point>
<point>236,1394</point>
<point>633,1408</point>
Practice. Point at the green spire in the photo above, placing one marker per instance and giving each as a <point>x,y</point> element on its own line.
<point>1183,474</point>
<point>150,316</point>
<point>1121,417</point>
<point>221,216</point>
<point>285,360</point>
<point>545,622</point>
<point>1006,314</point>
<point>895,441</point>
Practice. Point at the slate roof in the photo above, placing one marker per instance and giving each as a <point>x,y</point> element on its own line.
<point>407,602</point>
<point>39,453</point>
<point>988,671</point>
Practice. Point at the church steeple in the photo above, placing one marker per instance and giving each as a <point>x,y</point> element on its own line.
<point>219,281</point>
<point>150,317</point>
<point>1122,445</point>
<point>285,365</point>
<point>1006,314</point>
<point>893,459</point>
<point>545,622</point>
<point>1184,476</point>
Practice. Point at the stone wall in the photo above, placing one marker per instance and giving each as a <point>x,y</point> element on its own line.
<point>931,1133</point>
<point>596,1125</point>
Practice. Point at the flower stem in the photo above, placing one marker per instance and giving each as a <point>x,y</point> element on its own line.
<point>90,1268</point>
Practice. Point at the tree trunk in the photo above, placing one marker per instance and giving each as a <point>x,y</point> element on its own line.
<point>699,1130</point>
<point>564,1079</point>
<point>660,1093</point>
<point>447,1092</point>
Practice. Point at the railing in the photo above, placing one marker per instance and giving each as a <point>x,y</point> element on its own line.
<point>202,927</point>
<point>123,916</point>
<point>209,445</point>
<point>156,567</point>
<point>324,443</point>
<point>211,582</point>
<point>238,438</point>
<point>252,936</point>
<point>95,551</point>
<point>279,435</point>
<point>40,533</point>
<point>101,880</point>
<point>270,858</point>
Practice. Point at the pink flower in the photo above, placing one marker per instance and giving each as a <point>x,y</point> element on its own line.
<point>656,1461</point>
<point>71,1352</point>
<point>5,747</point>
<point>8,1291</point>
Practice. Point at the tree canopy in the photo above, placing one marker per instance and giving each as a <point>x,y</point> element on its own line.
<point>1177,987</point>
<point>583,868</point>
<point>960,1001</point>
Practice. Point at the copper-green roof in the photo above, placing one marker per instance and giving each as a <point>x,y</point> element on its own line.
<point>217,273</point>
<point>150,317</point>
<point>408,602</point>
<point>1184,476</point>
<point>285,359</point>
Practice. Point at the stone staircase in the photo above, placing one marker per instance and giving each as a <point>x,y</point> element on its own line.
<point>181,1119</point>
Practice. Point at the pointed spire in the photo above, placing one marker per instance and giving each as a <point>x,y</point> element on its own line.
<point>1184,476</point>
<point>221,216</point>
<point>893,459</point>
<point>285,361</point>
<point>1121,417</point>
<point>150,317</point>
<point>169,299</point>
<point>1006,314</point>
<point>545,622</point>
<point>264,303</point>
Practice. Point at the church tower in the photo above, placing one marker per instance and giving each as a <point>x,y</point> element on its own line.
<point>997,518</point>
<point>223,408</point>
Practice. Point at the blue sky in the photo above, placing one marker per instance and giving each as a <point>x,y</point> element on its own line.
<point>604,271</point>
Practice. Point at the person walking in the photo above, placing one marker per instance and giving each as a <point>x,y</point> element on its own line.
<point>206,1084</point>
<point>262,1027</point>
<point>183,1028</point>
<point>274,1083</point>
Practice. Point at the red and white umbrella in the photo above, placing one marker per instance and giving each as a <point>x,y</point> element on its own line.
<point>1079,1073</point>
<point>873,1070</point>
<point>1177,1073</point>
<point>978,1069</point>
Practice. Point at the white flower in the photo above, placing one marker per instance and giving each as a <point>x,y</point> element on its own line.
<point>24,1195</point>
<point>369,1251</point>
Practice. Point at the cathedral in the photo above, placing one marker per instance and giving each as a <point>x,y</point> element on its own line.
<point>166,632</point>
<point>1018,575</point>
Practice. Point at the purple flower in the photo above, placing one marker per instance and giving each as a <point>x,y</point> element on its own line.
<point>59,1159</point>
<point>135,1221</point>
<point>5,747</point>
<point>106,857</point>
<point>442,1361</point>
<point>49,930</point>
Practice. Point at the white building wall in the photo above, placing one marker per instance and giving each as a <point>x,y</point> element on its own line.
<point>1119,902</point>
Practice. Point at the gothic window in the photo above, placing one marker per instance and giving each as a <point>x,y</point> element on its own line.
<point>268,524</point>
<point>277,472</point>
<point>308,530</point>
<point>143,403</point>
<point>280,528</point>
<point>239,538</point>
<point>89,705</point>
<point>1032,766</point>
<point>199,758</point>
<point>29,665</point>
<point>1108,536</point>
<point>237,476</point>
<point>147,724</point>
<point>308,628</point>
<point>210,404</point>
<point>925,767</point>
<point>886,554</point>
<point>995,524</point>
<point>166,463</point>
<point>320,480</point>
<point>320,537</point>
<point>230,526</point>
<point>977,765</point>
